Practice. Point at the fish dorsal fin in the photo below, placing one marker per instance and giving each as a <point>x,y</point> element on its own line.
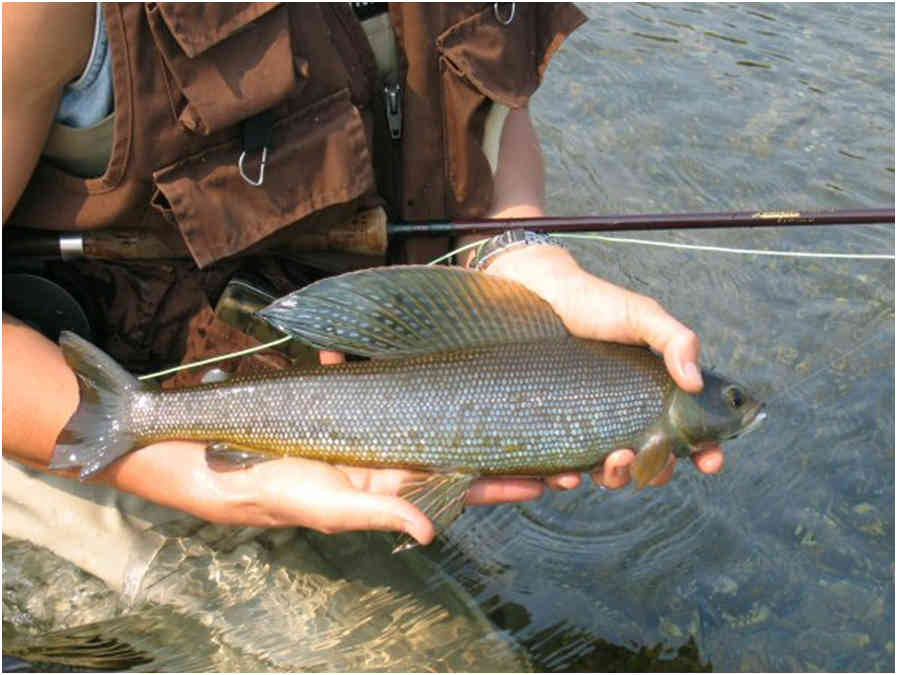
<point>413,309</point>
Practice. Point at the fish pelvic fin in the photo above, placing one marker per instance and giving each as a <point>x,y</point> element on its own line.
<point>441,496</point>
<point>98,433</point>
<point>221,456</point>
<point>651,460</point>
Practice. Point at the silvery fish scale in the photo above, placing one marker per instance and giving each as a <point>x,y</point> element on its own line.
<point>520,408</point>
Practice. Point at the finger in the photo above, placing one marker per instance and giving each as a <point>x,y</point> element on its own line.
<point>328,357</point>
<point>614,473</point>
<point>664,476</point>
<point>502,490</point>
<point>380,481</point>
<point>563,481</point>
<point>353,510</point>
<point>679,345</point>
<point>681,358</point>
<point>710,459</point>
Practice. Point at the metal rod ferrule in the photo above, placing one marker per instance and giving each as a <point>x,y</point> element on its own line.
<point>71,246</point>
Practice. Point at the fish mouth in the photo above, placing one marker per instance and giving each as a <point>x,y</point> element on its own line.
<point>752,420</point>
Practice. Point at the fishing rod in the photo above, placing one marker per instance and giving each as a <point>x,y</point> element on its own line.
<point>369,233</point>
<point>653,221</point>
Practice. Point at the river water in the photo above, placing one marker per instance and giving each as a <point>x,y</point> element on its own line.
<point>785,561</point>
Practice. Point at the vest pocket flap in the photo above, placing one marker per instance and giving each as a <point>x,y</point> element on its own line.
<point>318,158</point>
<point>245,65</point>
<point>506,62</point>
<point>197,26</point>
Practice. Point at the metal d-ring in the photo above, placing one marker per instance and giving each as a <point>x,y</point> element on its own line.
<point>504,22</point>
<point>261,178</point>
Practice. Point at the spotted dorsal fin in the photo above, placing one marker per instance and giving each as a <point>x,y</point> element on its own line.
<point>413,309</point>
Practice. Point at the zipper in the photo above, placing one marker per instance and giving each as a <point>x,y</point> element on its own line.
<point>392,93</point>
<point>392,105</point>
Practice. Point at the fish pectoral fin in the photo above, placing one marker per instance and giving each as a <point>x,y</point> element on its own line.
<point>440,496</point>
<point>651,460</point>
<point>222,456</point>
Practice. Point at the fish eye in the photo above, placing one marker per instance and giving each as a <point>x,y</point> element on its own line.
<point>734,397</point>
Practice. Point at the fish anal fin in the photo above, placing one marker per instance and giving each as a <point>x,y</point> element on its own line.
<point>651,459</point>
<point>226,456</point>
<point>441,497</point>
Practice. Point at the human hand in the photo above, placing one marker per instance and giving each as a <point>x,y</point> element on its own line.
<point>593,308</point>
<point>288,492</point>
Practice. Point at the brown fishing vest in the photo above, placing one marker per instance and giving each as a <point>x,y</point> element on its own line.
<point>198,86</point>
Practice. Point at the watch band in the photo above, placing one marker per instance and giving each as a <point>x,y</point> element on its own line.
<point>500,243</point>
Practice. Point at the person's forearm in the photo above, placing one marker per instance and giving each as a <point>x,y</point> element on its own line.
<point>519,181</point>
<point>40,393</point>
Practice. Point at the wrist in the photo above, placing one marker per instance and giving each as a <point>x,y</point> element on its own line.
<point>549,271</point>
<point>491,250</point>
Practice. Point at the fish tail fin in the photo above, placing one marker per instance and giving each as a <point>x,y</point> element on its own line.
<point>98,433</point>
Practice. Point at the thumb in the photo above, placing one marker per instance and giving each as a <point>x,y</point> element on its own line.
<point>680,346</point>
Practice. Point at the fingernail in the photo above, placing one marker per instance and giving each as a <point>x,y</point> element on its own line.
<point>692,372</point>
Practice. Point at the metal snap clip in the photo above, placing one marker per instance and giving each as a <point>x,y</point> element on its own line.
<point>498,17</point>
<point>261,178</point>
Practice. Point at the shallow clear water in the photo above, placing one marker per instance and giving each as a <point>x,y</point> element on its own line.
<point>785,561</point>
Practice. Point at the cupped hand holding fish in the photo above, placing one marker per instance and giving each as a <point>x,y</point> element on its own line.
<point>596,309</point>
<point>292,492</point>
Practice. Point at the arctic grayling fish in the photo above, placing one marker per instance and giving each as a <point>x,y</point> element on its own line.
<point>471,375</point>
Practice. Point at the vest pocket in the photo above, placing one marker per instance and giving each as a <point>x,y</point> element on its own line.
<point>318,158</point>
<point>482,60</point>
<point>229,61</point>
<point>496,61</point>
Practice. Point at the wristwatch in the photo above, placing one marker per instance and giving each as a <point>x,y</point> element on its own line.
<point>491,248</point>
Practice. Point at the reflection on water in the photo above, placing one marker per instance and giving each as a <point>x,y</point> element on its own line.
<point>782,562</point>
<point>231,599</point>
